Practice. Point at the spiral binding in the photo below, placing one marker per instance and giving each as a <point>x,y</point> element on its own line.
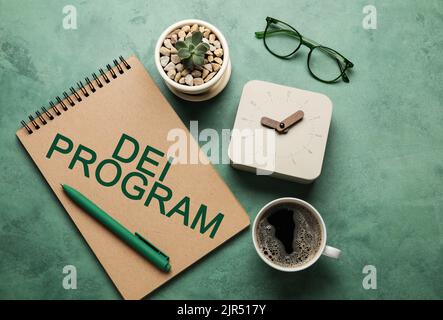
<point>46,112</point>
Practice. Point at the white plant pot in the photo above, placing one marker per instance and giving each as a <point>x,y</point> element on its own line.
<point>207,90</point>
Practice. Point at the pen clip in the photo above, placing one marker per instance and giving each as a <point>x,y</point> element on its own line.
<point>151,245</point>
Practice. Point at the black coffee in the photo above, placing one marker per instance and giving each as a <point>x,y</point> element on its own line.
<point>289,235</point>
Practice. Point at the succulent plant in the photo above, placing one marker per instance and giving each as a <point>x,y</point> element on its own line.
<point>192,50</point>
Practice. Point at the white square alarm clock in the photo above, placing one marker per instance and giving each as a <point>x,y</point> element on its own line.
<point>280,131</point>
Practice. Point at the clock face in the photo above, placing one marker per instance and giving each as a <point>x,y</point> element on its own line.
<point>295,155</point>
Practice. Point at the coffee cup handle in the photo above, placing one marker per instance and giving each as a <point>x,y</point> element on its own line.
<point>331,252</point>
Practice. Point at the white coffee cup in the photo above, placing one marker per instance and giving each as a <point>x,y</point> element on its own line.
<point>323,249</point>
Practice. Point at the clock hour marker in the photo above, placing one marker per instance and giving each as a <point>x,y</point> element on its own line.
<point>309,150</point>
<point>246,135</point>
<point>316,135</point>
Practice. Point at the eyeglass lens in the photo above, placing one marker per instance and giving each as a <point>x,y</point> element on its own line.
<point>324,65</point>
<point>281,39</point>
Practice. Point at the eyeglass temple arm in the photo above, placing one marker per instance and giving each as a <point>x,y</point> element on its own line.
<point>343,73</point>
<point>308,42</point>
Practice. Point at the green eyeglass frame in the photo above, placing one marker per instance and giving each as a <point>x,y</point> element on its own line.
<point>343,63</point>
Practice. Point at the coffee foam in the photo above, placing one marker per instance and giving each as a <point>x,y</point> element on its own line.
<point>306,241</point>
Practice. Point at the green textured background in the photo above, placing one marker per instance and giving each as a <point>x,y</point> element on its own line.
<point>381,188</point>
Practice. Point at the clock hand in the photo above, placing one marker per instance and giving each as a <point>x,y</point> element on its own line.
<point>270,123</point>
<point>294,118</point>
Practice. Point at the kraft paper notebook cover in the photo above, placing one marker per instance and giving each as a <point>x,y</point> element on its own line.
<point>125,102</point>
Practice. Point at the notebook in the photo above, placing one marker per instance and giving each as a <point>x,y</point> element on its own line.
<point>116,140</point>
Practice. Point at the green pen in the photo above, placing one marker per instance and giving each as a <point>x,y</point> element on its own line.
<point>135,241</point>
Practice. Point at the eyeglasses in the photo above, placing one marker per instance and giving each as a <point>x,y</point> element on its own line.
<point>283,41</point>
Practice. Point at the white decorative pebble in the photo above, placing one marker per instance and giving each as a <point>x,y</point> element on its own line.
<point>208,67</point>
<point>165,51</point>
<point>168,43</point>
<point>174,38</point>
<point>196,74</point>
<point>218,60</point>
<point>179,67</point>
<point>215,67</point>
<point>198,81</point>
<point>189,80</point>
<point>175,58</point>
<point>164,61</point>
<point>210,76</point>
<point>218,52</point>
<point>172,73</point>
<point>194,27</point>
<point>170,66</point>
